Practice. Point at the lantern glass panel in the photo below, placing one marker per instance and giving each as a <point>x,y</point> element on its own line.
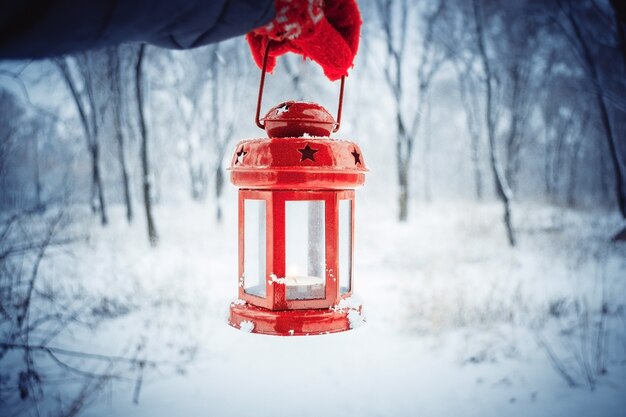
<point>305,254</point>
<point>345,246</point>
<point>254,247</point>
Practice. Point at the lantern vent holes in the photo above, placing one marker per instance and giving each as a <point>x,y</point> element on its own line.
<point>307,153</point>
<point>282,109</point>
<point>240,155</point>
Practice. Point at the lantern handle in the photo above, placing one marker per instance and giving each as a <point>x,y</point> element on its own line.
<point>262,86</point>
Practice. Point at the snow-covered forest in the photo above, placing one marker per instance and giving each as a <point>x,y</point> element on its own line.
<point>490,236</point>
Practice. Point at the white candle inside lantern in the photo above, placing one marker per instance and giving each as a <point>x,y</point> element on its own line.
<point>304,287</point>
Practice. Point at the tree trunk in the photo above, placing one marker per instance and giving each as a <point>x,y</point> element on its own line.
<point>403,198</point>
<point>37,174</point>
<point>91,136</point>
<point>145,165</point>
<point>424,101</point>
<point>471,121</point>
<point>573,172</point>
<point>125,178</point>
<point>93,192</point>
<point>86,69</point>
<point>502,188</point>
<point>403,158</point>
<point>97,192</point>
<point>220,140</point>
<point>219,189</point>
<point>97,181</point>
<point>196,170</point>
<point>115,75</point>
<point>403,194</point>
<point>478,174</point>
<point>512,140</point>
<point>604,114</point>
<point>620,236</point>
<point>396,47</point>
<point>616,165</point>
<point>619,11</point>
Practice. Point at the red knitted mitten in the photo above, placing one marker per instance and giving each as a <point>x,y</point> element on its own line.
<point>327,31</point>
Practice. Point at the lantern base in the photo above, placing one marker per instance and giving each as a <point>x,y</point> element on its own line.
<point>253,319</point>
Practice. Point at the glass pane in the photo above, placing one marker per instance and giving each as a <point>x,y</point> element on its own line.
<point>345,246</point>
<point>305,255</point>
<point>254,247</point>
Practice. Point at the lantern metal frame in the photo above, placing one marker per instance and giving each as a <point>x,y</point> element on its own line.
<point>275,254</point>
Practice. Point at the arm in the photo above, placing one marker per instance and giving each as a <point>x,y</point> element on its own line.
<point>43,28</point>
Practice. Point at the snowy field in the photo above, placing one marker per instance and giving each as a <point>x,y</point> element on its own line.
<point>457,322</point>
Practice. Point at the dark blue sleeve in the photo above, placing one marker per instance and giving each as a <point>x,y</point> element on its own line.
<point>44,28</point>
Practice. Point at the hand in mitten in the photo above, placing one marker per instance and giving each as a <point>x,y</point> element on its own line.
<point>327,31</point>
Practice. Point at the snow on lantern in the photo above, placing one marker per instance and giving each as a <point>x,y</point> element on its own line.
<point>296,223</point>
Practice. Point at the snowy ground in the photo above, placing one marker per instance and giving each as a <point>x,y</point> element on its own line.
<point>455,319</point>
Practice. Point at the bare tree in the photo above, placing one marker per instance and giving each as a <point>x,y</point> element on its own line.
<point>469,100</point>
<point>145,162</point>
<point>520,94</point>
<point>39,128</point>
<point>89,110</point>
<point>503,190</point>
<point>409,106</point>
<point>11,114</point>
<point>583,41</point>
<point>565,120</point>
<point>619,14</point>
<point>519,60</point>
<point>574,158</point>
<point>34,314</point>
<point>192,80</point>
<point>226,93</point>
<point>118,104</point>
<point>220,138</point>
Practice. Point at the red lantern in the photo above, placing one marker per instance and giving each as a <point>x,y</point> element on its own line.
<point>296,223</point>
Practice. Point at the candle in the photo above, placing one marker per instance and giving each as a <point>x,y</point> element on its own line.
<point>304,287</point>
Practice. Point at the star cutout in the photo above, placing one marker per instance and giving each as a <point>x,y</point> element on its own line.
<point>307,153</point>
<point>240,154</point>
<point>357,157</point>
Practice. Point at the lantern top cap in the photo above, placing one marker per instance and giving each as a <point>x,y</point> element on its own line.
<point>297,119</point>
<point>303,163</point>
